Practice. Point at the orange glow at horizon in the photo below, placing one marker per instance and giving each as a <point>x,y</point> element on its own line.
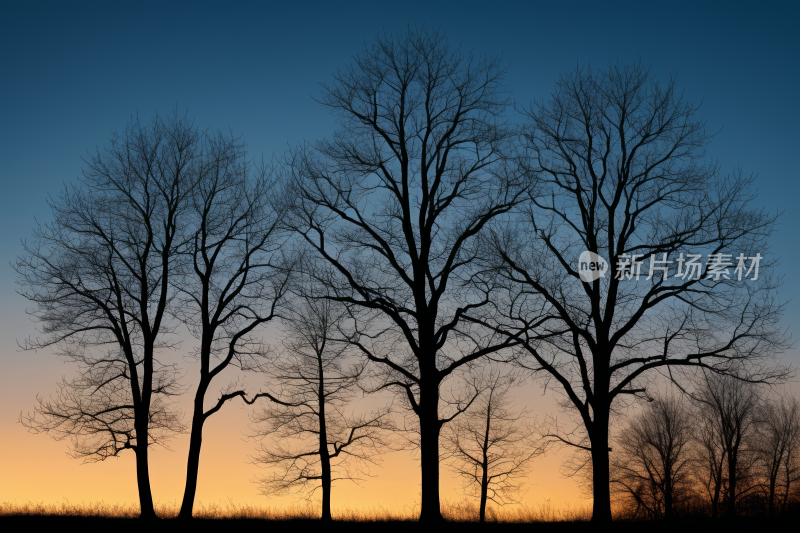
<point>36,468</point>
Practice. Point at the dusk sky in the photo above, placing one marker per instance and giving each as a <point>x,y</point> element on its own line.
<point>73,71</point>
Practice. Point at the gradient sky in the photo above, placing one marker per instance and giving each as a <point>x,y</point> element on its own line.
<point>70,72</point>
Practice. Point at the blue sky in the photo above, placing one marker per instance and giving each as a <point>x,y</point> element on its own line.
<point>72,71</point>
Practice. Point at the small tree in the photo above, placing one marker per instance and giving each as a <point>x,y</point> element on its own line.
<point>491,446</point>
<point>710,458</point>
<point>730,406</point>
<point>316,442</point>
<point>652,463</point>
<point>777,445</point>
<point>99,275</point>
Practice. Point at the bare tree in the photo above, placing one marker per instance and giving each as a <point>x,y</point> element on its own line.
<point>652,462</point>
<point>232,277</point>
<point>620,159</point>
<point>491,446</point>
<point>392,203</point>
<point>99,277</point>
<point>316,441</point>
<point>710,458</point>
<point>777,445</point>
<point>731,405</point>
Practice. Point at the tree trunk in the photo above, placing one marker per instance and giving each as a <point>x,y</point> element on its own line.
<point>192,465</point>
<point>788,486</point>
<point>143,476</point>
<point>485,461</point>
<point>429,452</point>
<point>771,510</point>
<point>195,445</point>
<point>324,456</point>
<point>142,426</point>
<point>668,493</point>
<point>601,504</point>
<point>484,494</point>
<point>730,512</point>
<point>326,488</point>
<point>715,500</point>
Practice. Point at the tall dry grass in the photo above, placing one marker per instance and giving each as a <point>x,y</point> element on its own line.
<point>460,511</point>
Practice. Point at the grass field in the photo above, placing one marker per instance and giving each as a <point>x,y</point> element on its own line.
<point>453,512</point>
<point>460,516</point>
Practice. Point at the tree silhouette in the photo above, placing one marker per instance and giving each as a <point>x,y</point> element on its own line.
<point>491,446</point>
<point>232,276</point>
<point>392,204</point>
<point>316,441</point>
<point>653,458</point>
<point>622,176</point>
<point>731,405</point>
<point>99,277</point>
<point>777,446</point>
<point>710,459</point>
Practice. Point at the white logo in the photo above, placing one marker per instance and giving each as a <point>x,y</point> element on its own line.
<point>591,266</point>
